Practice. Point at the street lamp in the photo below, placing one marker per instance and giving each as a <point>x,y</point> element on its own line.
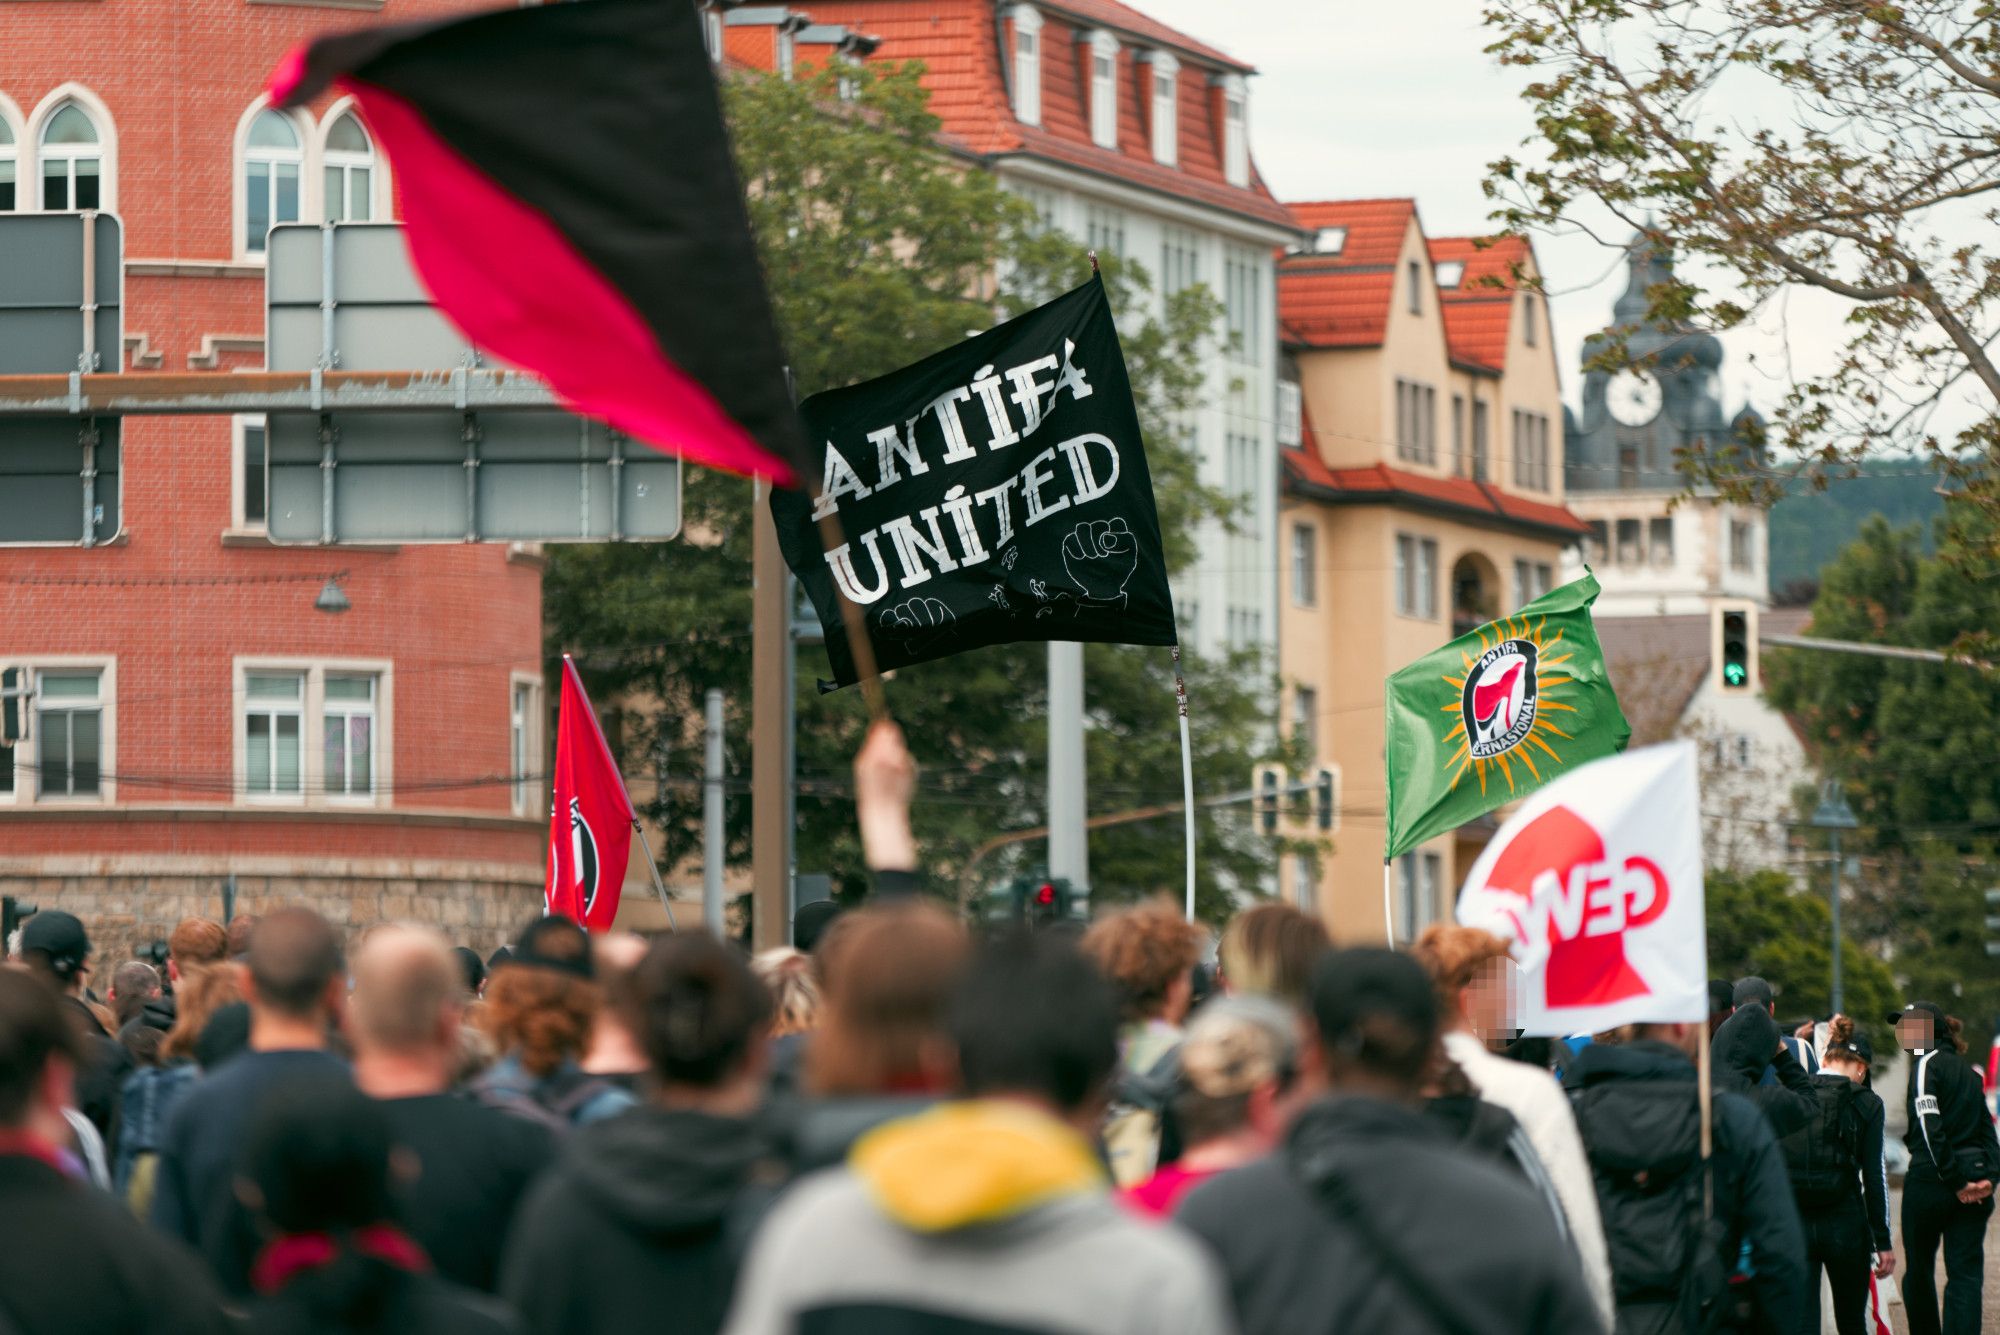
<point>1833,816</point>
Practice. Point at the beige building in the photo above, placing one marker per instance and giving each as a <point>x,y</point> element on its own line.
<point>1422,495</point>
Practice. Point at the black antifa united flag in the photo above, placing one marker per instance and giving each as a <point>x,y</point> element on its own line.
<point>994,492</point>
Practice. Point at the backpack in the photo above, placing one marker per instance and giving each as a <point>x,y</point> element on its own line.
<point>1824,1156</point>
<point>1138,1126</point>
<point>556,1102</point>
<point>1643,1140</point>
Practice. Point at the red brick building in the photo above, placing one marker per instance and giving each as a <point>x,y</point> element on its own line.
<point>196,717</point>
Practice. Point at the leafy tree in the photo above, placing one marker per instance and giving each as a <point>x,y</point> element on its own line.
<point>1861,162</point>
<point>1810,526</point>
<point>1761,923</point>
<point>879,249</point>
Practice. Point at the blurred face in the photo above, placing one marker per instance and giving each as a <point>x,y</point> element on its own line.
<point>1491,1002</point>
<point>1914,1030</point>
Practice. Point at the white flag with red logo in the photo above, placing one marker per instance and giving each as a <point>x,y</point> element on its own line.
<point>590,816</point>
<point>1597,882</point>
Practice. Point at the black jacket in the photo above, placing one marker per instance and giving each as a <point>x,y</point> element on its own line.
<point>323,1302</point>
<point>1743,1049</point>
<point>1638,1110</point>
<point>646,1214</point>
<point>75,1262</point>
<point>1369,1219</point>
<point>1950,1133</point>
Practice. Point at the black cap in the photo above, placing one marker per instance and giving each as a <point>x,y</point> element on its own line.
<point>470,967</point>
<point>809,924</point>
<point>1931,1008</point>
<point>1858,1045</point>
<point>60,936</point>
<point>554,943</point>
<point>1752,991</point>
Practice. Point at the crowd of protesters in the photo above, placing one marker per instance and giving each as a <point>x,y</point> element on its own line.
<point>901,1125</point>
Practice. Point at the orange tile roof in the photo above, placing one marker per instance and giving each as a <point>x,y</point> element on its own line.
<point>958,43</point>
<point>1341,300</point>
<point>1478,312</point>
<point>1455,497</point>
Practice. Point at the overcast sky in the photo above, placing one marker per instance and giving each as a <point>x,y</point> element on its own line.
<point>1400,99</point>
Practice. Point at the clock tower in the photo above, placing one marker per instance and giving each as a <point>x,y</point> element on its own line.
<point>1653,556</point>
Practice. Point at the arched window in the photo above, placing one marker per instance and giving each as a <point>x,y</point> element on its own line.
<point>10,159</point>
<point>350,172</point>
<point>273,160</point>
<point>72,156</point>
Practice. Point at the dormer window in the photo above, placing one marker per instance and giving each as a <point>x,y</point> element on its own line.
<point>1164,85</point>
<point>1329,241</point>
<point>1235,131</point>
<point>1104,90</point>
<point>1027,64</point>
<point>1450,274</point>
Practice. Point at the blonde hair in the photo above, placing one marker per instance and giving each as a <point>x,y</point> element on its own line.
<point>788,973</point>
<point>1269,950</point>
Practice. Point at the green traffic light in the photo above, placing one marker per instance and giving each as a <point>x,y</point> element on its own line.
<point>1735,674</point>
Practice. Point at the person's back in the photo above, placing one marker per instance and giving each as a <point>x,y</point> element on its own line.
<point>1368,1215</point>
<point>293,981</point>
<point>540,1006</point>
<point>989,1214</point>
<point>650,1211</point>
<point>72,1260</point>
<point>1639,1113</point>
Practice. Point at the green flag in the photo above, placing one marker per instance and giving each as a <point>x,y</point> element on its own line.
<point>1496,714</point>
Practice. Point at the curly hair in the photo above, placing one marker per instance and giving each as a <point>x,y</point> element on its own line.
<point>203,992</point>
<point>1454,956</point>
<point>789,974</point>
<point>887,976</point>
<point>1269,950</point>
<point>541,1016</point>
<point>1144,951</point>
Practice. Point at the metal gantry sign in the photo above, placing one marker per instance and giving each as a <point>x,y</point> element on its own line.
<point>343,298</point>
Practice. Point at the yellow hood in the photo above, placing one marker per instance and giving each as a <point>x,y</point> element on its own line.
<point>971,1163</point>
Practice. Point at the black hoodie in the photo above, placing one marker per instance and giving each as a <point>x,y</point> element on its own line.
<point>647,1214</point>
<point>1743,1047</point>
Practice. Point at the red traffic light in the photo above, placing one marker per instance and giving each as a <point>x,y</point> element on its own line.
<point>1046,896</point>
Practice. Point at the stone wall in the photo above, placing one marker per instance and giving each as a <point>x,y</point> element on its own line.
<point>126,906</point>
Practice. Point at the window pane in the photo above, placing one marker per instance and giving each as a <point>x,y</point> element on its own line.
<point>7,169</point>
<point>256,206</point>
<point>83,757</point>
<point>253,474</point>
<point>334,732</point>
<point>336,195</point>
<point>350,688</point>
<point>257,753</point>
<point>7,769</point>
<point>346,136</point>
<point>361,739</point>
<point>55,184</point>
<point>271,130</point>
<point>87,195</point>
<point>285,754</point>
<point>69,126</point>
<point>287,209</point>
<point>360,204</point>
<point>262,687</point>
<point>54,758</point>
<point>6,133</point>
<point>69,685</point>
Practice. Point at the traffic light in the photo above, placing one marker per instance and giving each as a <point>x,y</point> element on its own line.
<point>1736,663</point>
<point>1268,789</point>
<point>1323,798</point>
<point>1037,901</point>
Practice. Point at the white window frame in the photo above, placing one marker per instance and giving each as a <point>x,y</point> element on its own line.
<point>1103,89</point>
<point>1305,721</point>
<point>1449,273</point>
<point>1532,579</point>
<point>27,772</point>
<point>29,162</point>
<point>348,711</point>
<point>312,740</point>
<point>307,162</point>
<point>525,744</point>
<point>1027,64</point>
<point>1416,572</point>
<point>1163,95</point>
<point>1104,229</point>
<point>1235,130</point>
<point>240,523</point>
<point>347,160</point>
<point>14,154</point>
<point>1305,565</point>
<point>1291,413</point>
<point>1243,306</point>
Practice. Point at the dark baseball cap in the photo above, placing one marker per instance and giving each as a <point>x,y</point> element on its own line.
<point>1930,1008</point>
<point>1858,1045</point>
<point>554,943</point>
<point>1752,991</point>
<point>58,935</point>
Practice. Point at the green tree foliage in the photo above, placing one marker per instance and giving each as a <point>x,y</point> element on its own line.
<point>1845,147</point>
<point>1760,923</point>
<point>1811,526</point>
<point>880,249</point>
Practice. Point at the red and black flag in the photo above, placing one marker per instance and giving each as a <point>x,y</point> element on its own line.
<point>571,203</point>
<point>590,816</point>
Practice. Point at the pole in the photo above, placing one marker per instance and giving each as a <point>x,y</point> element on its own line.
<point>770,642</point>
<point>659,886</point>
<point>1069,848</point>
<point>1834,835</point>
<point>714,837</point>
<point>1187,760</point>
<point>1703,1084</point>
<point>1388,899</point>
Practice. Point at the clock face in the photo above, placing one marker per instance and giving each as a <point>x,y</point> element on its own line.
<point>1633,398</point>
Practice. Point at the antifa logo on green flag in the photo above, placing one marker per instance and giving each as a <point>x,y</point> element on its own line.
<point>994,492</point>
<point>1496,714</point>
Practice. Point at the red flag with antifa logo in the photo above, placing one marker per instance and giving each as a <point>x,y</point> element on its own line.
<point>570,200</point>
<point>590,820</point>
